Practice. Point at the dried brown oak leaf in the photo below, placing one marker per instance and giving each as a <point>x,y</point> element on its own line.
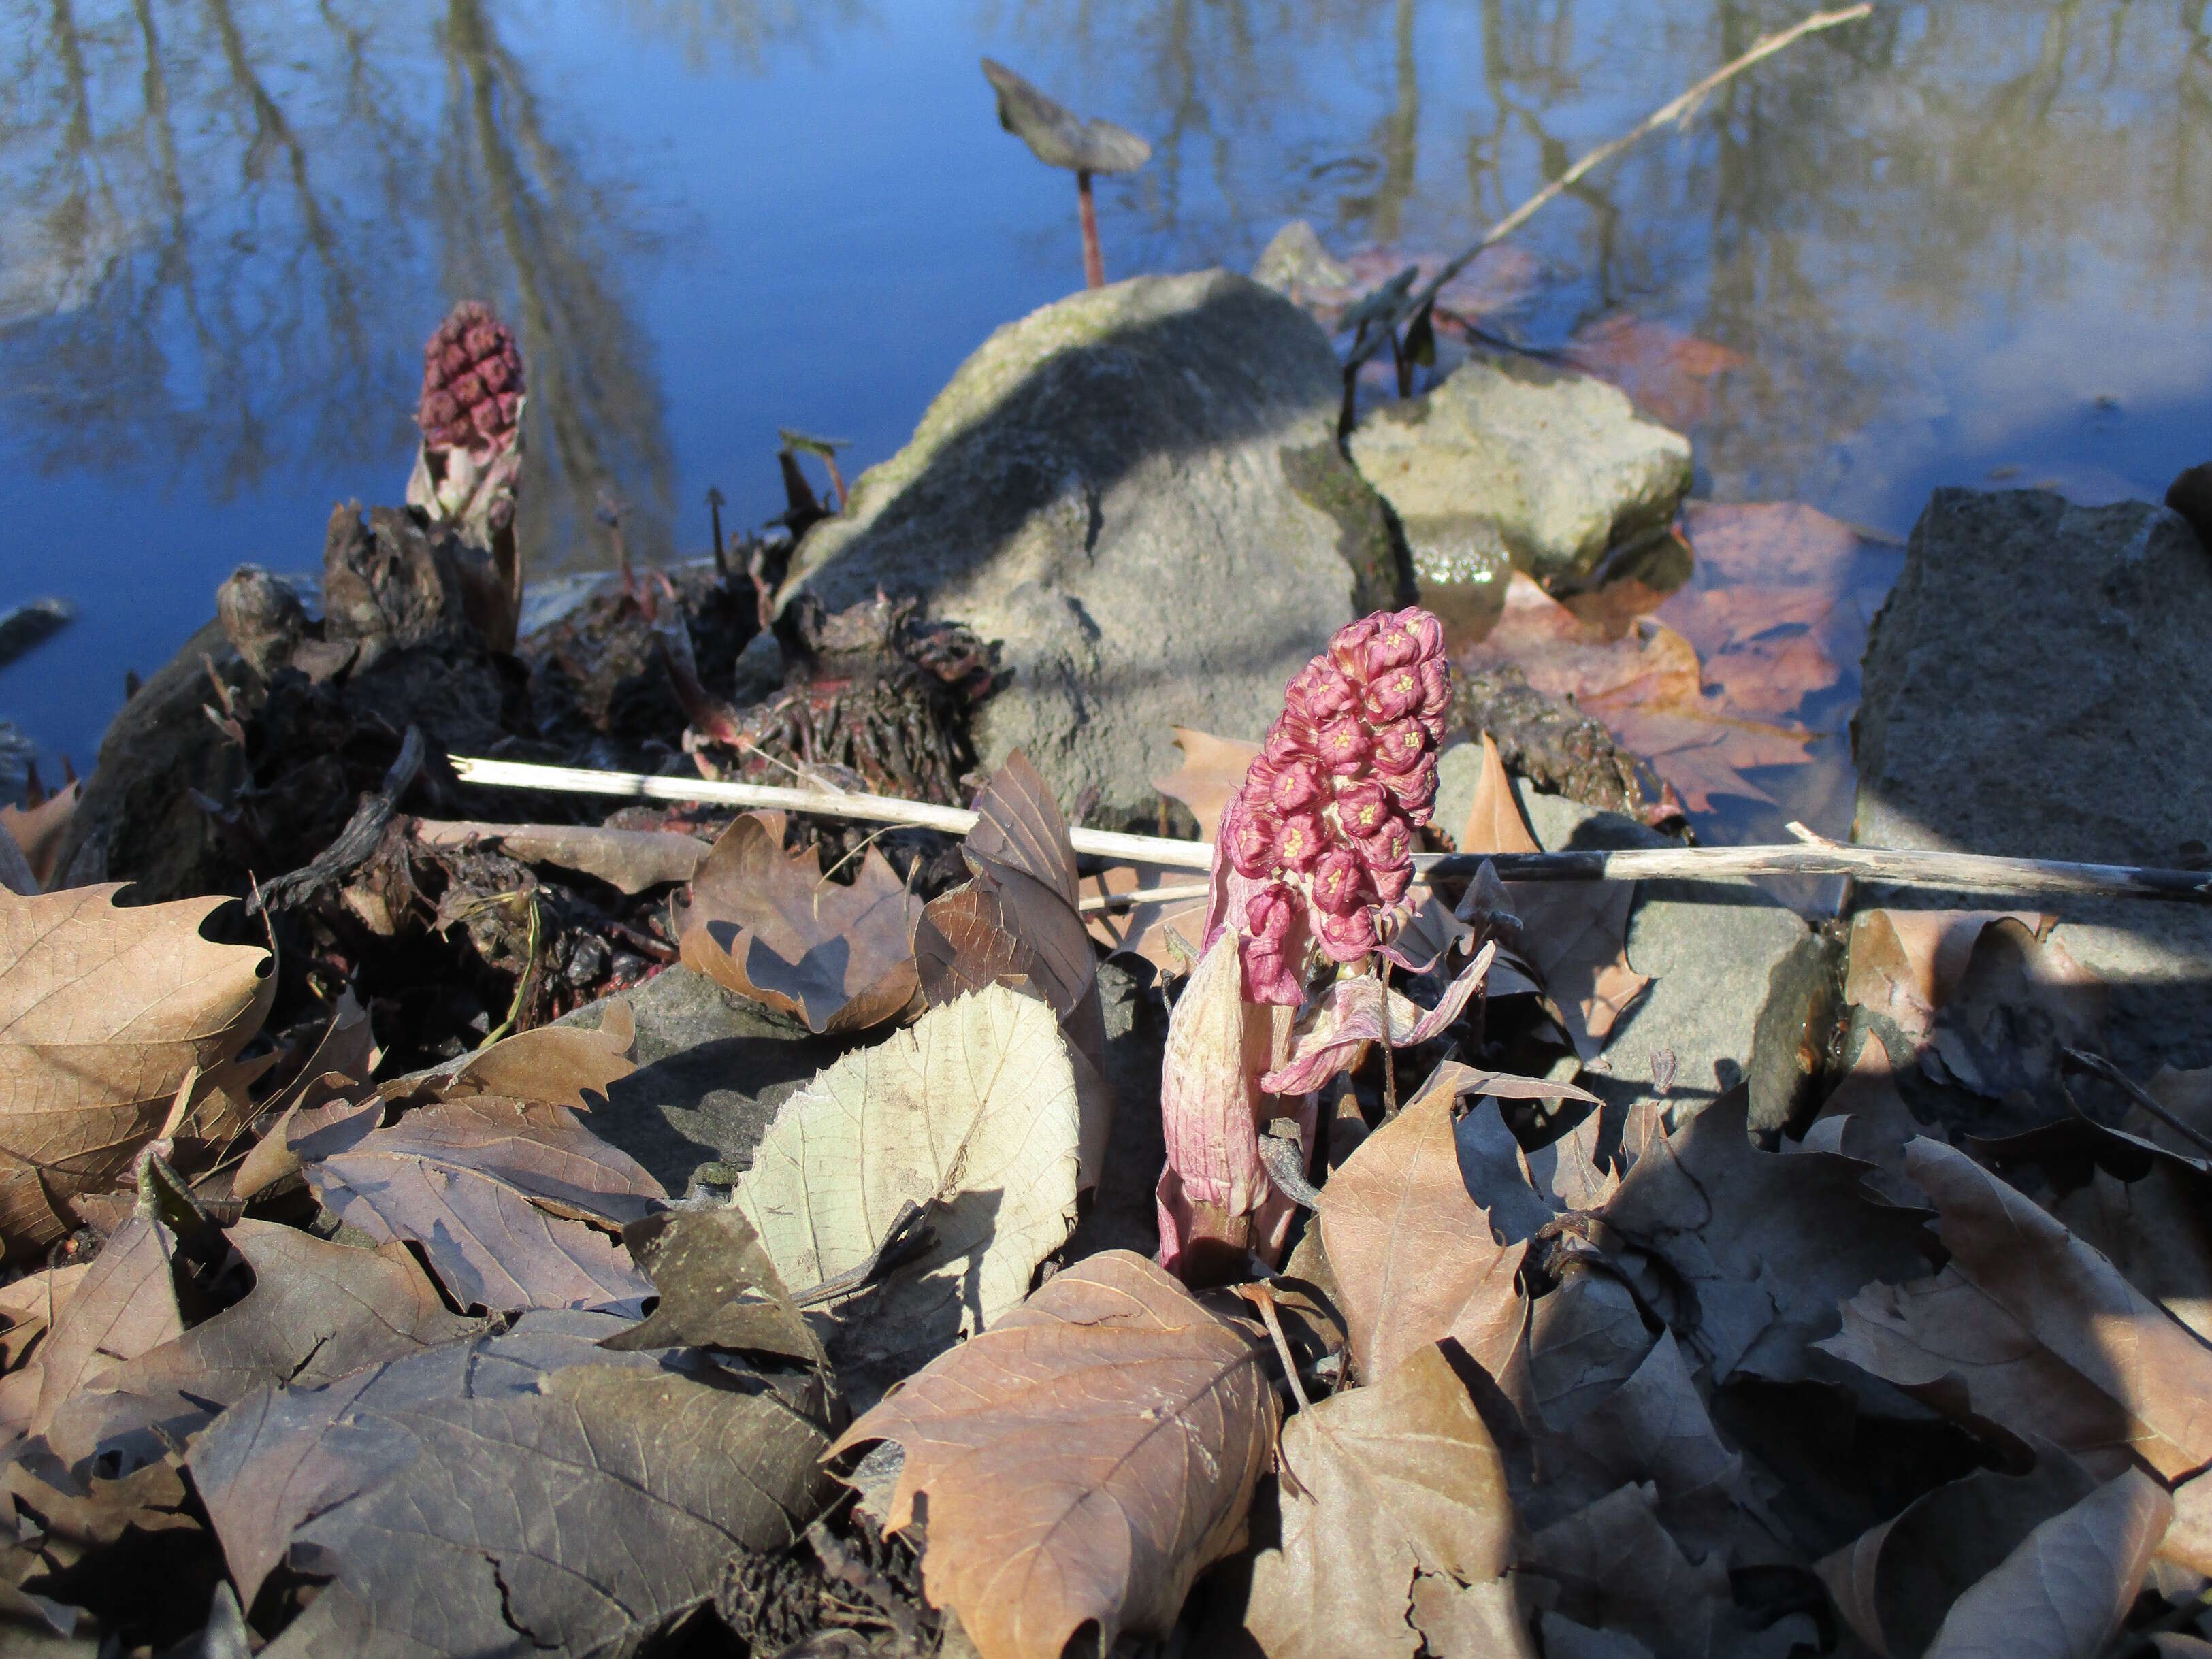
<point>2063,1592</point>
<point>1414,1256</point>
<point>317,1311</point>
<point>1083,1460</point>
<point>1168,935</point>
<point>770,925</point>
<point>970,1114</point>
<point>512,1201</point>
<point>1614,1568</point>
<point>104,1012</point>
<point>125,1306</point>
<point>1378,1482</point>
<point>1574,935</point>
<point>2029,1328</point>
<point>1746,1254</point>
<point>571,1065</point>
<point>521,1491</point>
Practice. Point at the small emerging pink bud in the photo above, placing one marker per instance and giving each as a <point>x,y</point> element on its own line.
<point>1400,746</point>
<point>1348,647</point>
<point>1394,694</point>
<point>1289,741</point>
<point>1250,834</point>
<point>1390,846</point>
<point>1347,937</point>
<point>1295,787</point>
<point>472,383</point>
<point>1268,912</point>
<point>1339,883</point>
<point>1343,747</point>
<point>1361,807</point>
<point>1407,637</point>
<point>1391,880</point>
<point>1299,842</point>
<point>1415,791</point>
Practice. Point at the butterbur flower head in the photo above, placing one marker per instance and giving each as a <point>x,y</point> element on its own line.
<point>1325,818</point>
<point>472,382</point>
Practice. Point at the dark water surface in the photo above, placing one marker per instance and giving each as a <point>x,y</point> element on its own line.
<point>1965,242</point>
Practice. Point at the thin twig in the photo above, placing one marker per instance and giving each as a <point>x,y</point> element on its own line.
<point>2098,1065</point>
<point>1681,108</point>
<point>1960,872</point>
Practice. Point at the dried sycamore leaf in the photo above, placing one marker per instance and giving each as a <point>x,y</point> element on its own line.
<point>2063,1593</point>
<point>317,1311</point>
<point>1574,935</point>
<point>1748,1253</point>
<point>1894,1584</point>
<point>1474,1621</point>
<point>1376,1483</point>
<point>1083,1460</point>
<point>1905,964</point>
<point>490,1190</point>
<point>768,924</point>
<point>31,1305</point>
<point>2029,1328</point>
<point>1414,1256</point>
<point>971,1115</point>
<point>1585,1339</point>
<point>104,1012</point>
<point>339,1066</point>
<point>2155,1232</point>
<point>524,1491</point>
<point>2020,1005</point>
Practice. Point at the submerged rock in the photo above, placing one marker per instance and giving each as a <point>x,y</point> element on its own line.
<point>1514,462</point>
<point>2038,686</point>
<point>1138,490</point>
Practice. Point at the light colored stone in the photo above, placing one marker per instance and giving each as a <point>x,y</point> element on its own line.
<point>1516,460</point>
<point>2038,685</point>
<point>1138,490</point>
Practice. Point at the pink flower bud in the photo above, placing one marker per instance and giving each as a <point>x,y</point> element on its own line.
<point>1331,695</point>
<point>1436,686</point>
<point>1387,847</point>
<point>1299,844</point>
<point>1415,792</point>
<point>1270,977</point>
<point>1394,694</point>
<point>1288,741</point>
<point>1295,787</point>
<point>1338,882</point>
<point>1403,639</point>
<point>1343,746</point>
<point>1391,880</point>
<point>1361,807</point>
<point>1349,646</point>
<point>1250,833</point>
<point>1349,937</point>
<point>1267,913</point>
<point>1400,747</point>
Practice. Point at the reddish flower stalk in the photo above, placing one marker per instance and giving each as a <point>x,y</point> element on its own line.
<point>470,458</point>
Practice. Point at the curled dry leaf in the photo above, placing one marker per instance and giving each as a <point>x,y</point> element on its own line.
<point>971,1115</point>
<point>39,832</point>
<point>2062,1594</point>
<point>1217,1046</point>
<point>570,1065</point>
<point>1905,964</point>
<point>1746,1254</point>
<point>770,925</point>
<point>1358,1009</point>
<point>1084,1459</point>
<point>628,860</point>
<point>508,1199</point>
<point>1378,1482</point>
<point>104,1012</point>
<point>125,1306</point>
<point>1895,1584</point>
<point>717,1287</point>
<point>1573,939</point>
<point>522,1490</point>
<point>2030,1329</point>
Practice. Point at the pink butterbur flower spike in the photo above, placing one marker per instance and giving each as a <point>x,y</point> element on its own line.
<point>1312,868</point>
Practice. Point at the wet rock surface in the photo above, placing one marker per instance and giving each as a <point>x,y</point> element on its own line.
<point>1137,489</point>
<point>2038,686</point>
<point>1515,462</point>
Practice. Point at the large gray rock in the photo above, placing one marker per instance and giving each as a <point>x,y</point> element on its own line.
<point>2038,685</point>
<point>1741,986</point>
<point>1137,489</point>
<point>1515,461</point>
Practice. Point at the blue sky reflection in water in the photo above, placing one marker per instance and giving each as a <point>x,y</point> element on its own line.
<point>1965,241</point>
